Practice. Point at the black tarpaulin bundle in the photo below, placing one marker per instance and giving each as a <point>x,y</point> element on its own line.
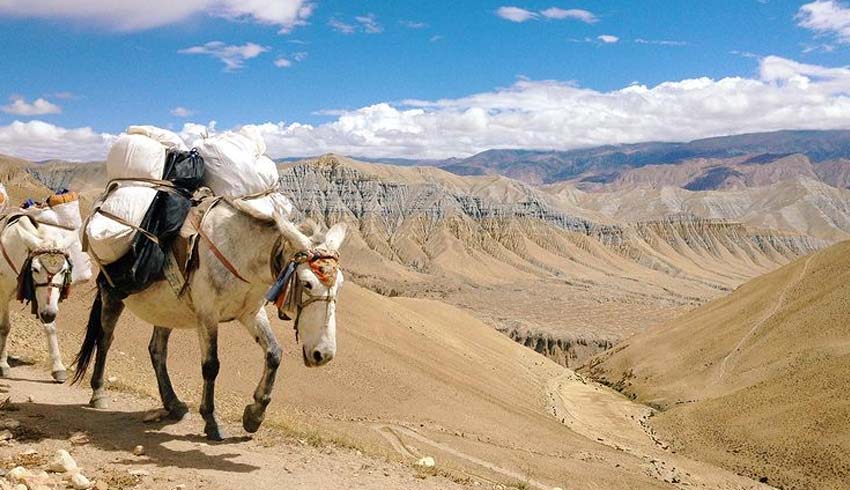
<point>145,261</point>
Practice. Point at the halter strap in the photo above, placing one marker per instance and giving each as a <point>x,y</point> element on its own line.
<point>220,256</point>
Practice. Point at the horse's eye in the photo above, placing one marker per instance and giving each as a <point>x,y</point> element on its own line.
<point>308,285</point>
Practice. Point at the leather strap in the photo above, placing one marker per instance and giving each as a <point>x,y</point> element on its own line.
<point>55,225</point>
<point>220,256</point>
<point>150,236</point>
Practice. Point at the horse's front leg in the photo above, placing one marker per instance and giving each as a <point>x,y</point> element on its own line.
<point>208,335</point>
<point>57,369</point>
<point>5,327</point>
<point>110,312</point>
<point>259,328</point>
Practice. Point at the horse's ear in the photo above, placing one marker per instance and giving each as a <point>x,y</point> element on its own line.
<point>309,228</point>
<point>335,236</point>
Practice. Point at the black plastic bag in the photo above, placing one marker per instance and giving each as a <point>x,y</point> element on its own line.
<point>185,169</point>
<point>144,263</point>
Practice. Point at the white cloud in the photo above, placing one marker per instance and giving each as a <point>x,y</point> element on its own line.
<point>660,42</point>
<point>343,27</point>
<point>826,17</point>
<point>577,14</point>
<point>38,140</point>
<point>515,14</point>
<point>135,16</point>
<point>362,23</point>
<point>39,107</point>
<point>519,14</point>
<point>412,24</point>
<point>369,24</point>
<point>437,37</point>
<point>785,94</point>
<point>181,111</point>
<point>290,60</point>
<point>608,38</point>
<point>744,54</point>
<point>232,56</point>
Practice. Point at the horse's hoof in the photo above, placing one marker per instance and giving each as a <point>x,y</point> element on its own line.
<point>5,371</point>
<point>60,376</point>
<point>214,433</point>
<point>99,403</point>
<point>177,412</point>
<point>252,418</point>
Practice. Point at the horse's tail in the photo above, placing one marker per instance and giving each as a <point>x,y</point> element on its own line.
<point>94,331</point>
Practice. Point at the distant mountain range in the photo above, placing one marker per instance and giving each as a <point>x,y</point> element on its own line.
<point>608,164</point>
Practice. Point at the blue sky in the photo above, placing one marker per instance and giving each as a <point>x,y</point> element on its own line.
<point>419,79</point>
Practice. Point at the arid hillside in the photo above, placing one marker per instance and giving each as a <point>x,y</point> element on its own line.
<point>756,381</point>
<point>565,281</point>
<point>799,205</point>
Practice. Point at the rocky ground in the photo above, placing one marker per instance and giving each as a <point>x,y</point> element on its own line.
<point>51,440</point>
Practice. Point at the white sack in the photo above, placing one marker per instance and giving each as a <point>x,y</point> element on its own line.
<point>166,138</point>
<point>65,214</point>
<point>235,164</point>
<point>140,154</point>
<point>108,239</point>
<point>81,261</point>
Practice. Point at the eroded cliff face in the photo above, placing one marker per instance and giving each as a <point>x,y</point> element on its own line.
<point>562,284</point>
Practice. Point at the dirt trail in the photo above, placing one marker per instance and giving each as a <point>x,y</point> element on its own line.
<point>393,436</point>
<point>606,416</point>
<point>175,454</point>
<point>776,306</point>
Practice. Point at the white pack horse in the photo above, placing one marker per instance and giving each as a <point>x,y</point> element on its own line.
<point>35,257</point>
<point>240,254</point>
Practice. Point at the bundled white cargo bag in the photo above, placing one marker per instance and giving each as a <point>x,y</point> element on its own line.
<point>63,211</point>
<point>109,239</point>
<point>237,168</point>
<point>236,165</point>
<point>140,154</point>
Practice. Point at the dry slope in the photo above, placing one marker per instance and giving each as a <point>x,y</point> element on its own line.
<point>564,282</point>
<point>757,381</point>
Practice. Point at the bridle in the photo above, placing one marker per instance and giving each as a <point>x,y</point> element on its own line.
<point>287,292</point>
<point>51,274</point>
<point>27,286</point>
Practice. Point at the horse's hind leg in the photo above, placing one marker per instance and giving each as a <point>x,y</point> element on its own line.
<point>5,327</point>
<point>158,349</point>
<point>58,369</point>
<point>208,335</point>
<point>260,329</point>
<point>110,313</point>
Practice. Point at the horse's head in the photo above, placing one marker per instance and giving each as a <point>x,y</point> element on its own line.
<point>312,290</point>
<point>46,274</point>
<point>51,278</point>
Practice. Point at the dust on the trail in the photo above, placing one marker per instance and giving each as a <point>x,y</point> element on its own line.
<point>602,414</point>
<point>175,456</point>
